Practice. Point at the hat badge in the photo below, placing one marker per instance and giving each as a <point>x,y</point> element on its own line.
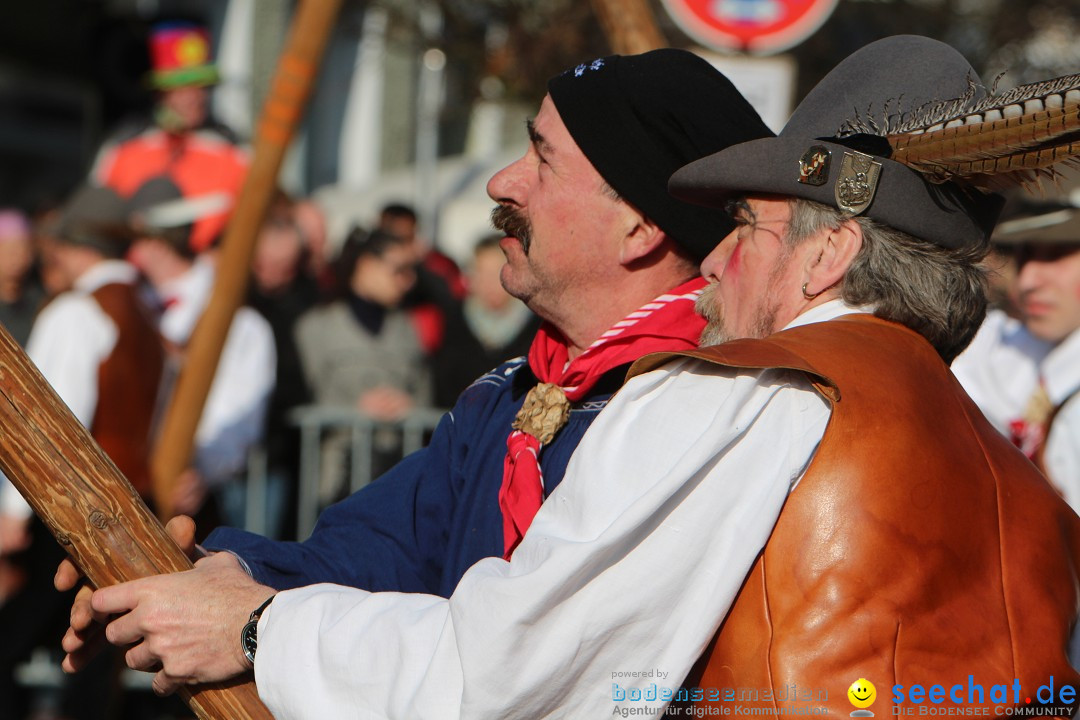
<point>814,165</point>
<point>857,183</point>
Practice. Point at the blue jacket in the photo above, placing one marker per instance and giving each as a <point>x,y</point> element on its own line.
<point>421,525</point>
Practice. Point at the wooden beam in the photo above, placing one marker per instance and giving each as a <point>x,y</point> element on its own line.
<point>91,508</point>
<point>630,26</point>
<point>293,80</point>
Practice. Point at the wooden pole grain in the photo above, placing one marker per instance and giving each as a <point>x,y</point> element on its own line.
<point>293,80</point>
<point>629,25</point>
<point>90,507</point>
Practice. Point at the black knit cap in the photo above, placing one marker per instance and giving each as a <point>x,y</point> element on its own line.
<point>639,118</point>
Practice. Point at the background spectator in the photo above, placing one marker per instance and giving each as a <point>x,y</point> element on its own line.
<point>99,349</point>
<point>311,221</point>
<point>182,142</point>
<point>282,290</point>
<point>233,419</point>
<point>490,327</point>
<point>362,350</point>
<point>20,293</point>
<point>439,285</point>
<point>51,277</point>
<point>1025,374</point>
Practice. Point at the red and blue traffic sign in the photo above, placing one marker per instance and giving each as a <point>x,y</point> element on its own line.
<point>760,27</point>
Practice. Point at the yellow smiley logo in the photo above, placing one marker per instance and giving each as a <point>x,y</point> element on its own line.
<point>862,693</point>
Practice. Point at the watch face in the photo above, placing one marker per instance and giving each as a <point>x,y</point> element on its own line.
<point>249,639</point>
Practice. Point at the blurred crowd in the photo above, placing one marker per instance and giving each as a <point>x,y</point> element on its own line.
<point>105,289</point>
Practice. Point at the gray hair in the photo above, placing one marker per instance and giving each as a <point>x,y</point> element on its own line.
<point>938,292</point>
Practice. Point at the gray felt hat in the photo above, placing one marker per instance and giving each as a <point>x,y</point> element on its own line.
<point>818,157</point>
<point>95,217</point>
<point>1050,219</point>
<point>160,209</point>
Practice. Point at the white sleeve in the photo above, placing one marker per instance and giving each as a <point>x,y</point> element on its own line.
<point>1062,454</point>
<point>69,340</point>
<point>234,418</point>
<point>628,568</point>
<point>999,370</point>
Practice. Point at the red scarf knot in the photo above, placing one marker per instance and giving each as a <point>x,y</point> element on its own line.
<point>667,323</point>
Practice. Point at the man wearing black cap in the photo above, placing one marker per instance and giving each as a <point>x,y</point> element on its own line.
<point>597,247</point>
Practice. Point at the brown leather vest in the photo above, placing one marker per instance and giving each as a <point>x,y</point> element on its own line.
<point>128,381</point>
<point>920,547</point>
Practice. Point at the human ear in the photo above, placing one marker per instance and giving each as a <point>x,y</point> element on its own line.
<point>830,256</point>
<point>642,239</point>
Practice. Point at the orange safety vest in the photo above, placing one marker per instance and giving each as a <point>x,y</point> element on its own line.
<point>200,162</point>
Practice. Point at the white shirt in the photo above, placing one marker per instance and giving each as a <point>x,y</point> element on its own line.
<point>629,566</point>
<point>70,339</point>
<point>234,417</point>
<point>1001,369</point>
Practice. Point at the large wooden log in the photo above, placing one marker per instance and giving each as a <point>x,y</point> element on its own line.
<point>282,110</point>
<point>90,507</point>
<point>630,26</point>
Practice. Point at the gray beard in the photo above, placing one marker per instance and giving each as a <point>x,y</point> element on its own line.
<point>714,334</point>
<point>763,323</point>
<point>716,330</point>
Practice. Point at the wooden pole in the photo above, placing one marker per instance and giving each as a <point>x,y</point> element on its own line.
<point>91,509</point>
<point>629,25</point>
<point>292,84</point>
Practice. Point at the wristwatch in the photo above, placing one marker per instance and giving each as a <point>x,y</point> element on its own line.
<point>249,636</point>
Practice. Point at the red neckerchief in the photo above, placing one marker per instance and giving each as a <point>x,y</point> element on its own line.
<point>667,323</point>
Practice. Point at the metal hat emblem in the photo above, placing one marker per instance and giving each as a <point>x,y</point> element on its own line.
<point>814,165</point>
<point>857,183</point>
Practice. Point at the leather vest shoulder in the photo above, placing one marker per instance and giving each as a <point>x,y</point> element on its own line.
<point>920,547</point>
<point>128,381</point>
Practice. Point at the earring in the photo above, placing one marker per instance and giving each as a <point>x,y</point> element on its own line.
<point>807,295</point>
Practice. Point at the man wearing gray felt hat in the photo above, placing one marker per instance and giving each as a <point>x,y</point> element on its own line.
<point>97,343</point>
<point>95,218</point>
<point>918,544</point>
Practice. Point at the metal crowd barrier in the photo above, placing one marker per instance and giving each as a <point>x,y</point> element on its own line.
<point>316,421</point>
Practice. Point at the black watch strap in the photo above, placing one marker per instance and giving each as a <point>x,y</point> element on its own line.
<point>249,636</point>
